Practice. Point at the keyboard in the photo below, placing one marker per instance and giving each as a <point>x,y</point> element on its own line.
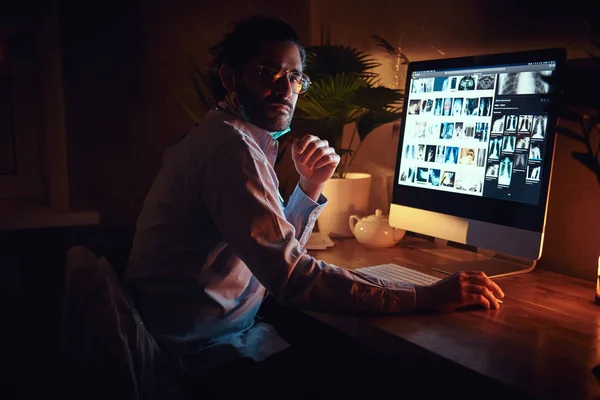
<point>397,272</point>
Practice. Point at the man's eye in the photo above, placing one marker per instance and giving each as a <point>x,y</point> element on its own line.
<point>270,70</point>
<point>295,78</point>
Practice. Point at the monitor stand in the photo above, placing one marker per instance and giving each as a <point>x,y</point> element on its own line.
<point>494,265</point>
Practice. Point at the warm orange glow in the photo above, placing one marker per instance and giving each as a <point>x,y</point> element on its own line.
<point>598,282</point>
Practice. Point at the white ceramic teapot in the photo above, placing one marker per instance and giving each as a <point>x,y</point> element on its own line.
<point>375,230</point>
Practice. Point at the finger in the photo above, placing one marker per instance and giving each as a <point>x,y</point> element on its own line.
<point>310,149</point>
<point>295,145</point>
<point>333,159</point>
<point>474,299</point>
<point>480,278</point>
<point>319,154</point>
<point>305,141</point>
<point>485,292</point>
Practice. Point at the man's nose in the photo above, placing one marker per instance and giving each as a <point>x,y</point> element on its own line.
<point>283,86</point>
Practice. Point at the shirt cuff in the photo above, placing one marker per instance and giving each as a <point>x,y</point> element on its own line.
<point>302,212</point>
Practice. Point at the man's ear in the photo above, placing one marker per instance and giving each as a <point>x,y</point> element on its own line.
<point>227,78</point>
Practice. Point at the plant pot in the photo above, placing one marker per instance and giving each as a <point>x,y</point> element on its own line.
<point>345,197</point>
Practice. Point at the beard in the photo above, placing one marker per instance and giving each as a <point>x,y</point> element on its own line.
<point>268,113</point>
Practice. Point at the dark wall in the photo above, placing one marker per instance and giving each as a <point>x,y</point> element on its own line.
<point>126,68</point>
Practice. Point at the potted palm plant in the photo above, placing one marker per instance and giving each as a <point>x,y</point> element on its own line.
<point>345,93</point>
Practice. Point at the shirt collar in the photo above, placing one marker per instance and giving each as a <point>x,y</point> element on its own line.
<point>261,136</point>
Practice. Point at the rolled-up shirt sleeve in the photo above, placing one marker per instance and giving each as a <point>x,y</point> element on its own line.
<point>302,212</point>
<point>237,186</point>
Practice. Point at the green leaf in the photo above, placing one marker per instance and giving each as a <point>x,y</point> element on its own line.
<point>387,47</point>
<point>384,44</point>
<point>377,98</point>
<point>331,99</point>
<point>570,134</point>
<point>337,59</point>
<point>372,119</point>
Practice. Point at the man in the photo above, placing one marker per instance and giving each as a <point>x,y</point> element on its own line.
<point>213,237</point>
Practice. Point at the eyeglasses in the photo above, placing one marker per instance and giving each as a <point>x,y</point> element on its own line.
<point>272,72</point>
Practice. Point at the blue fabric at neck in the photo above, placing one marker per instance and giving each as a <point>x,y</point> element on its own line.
<point>277,135</point>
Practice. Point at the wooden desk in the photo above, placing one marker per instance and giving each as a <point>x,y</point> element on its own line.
<point>542,342</point>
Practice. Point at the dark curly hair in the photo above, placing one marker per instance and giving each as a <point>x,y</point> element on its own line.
<point>244,42</point>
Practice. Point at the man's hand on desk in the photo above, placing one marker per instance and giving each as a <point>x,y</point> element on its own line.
<point>461,289</point>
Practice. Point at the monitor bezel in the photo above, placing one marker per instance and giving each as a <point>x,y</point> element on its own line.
<point>502,212</point>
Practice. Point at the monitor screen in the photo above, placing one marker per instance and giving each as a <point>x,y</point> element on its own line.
<point>477,137</point>
<point>478,131</point>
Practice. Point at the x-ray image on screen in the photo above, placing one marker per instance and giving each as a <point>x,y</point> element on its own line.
<point>481,153</point>
<point>467,82</point>
<point>471,107</point>
<point>448,178</point>
<point>505,173</point>
<point>437,107</point>
<point>523,142</point>
<point>407,174</point>
<point>535,153</point>
<point>508,144</point>
<point>481,131</point>
<point>434,176</point>
<point>486,82</point>
<point>495,144</point>
<point>468,182</point>
<point>426,106</point>
<point>422,175</point>
<point>433,130</point>
<point>410,152</point>
<point>485,106</point>
<point>453,83</point>
<point>492,171</point>
<point>469,131</point>
<point>414,107</point>
<point>420,129</point>
<point>421,152</point>
<point>498,124</point>
<point>538,127</point>
<point>430,153</point>
<point>458,130</point>
<point>511,123</point>
<point>525,123</point>
<point>517,83</point>
<point>451,155</point>
<point>447,130</point>
<point>520,161</point>
<point>422,85</point>
<point>533,172</point>
<point>441,152</point>
<point>457,106</point>
<point>447,107</point>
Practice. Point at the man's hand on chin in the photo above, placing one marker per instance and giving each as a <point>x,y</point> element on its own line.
<point>316,162</point>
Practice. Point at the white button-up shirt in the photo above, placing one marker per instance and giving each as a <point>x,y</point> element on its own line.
<point>213,238</point>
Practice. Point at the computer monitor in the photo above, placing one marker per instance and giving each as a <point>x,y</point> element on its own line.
<point>475,155</point>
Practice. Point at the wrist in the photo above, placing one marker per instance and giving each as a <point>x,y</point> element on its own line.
<point>421,298</point>
<point>311,189</point>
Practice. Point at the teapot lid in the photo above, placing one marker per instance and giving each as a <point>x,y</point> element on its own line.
<point>378,216</point>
